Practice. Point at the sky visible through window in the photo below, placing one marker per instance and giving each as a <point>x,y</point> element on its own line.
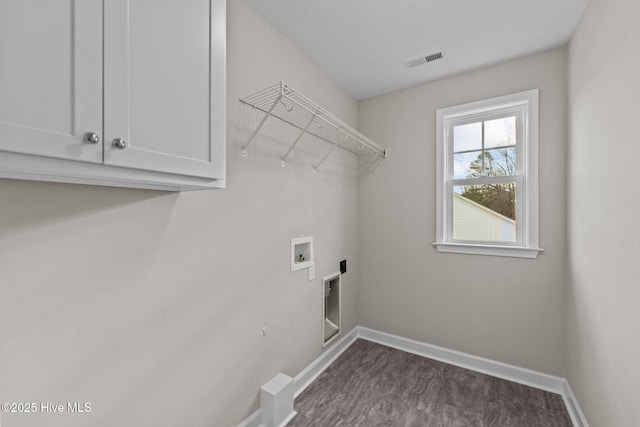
<point>486,149</point>
<point>468,146</point>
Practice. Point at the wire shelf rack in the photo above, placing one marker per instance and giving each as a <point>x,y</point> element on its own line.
<point>292,107</point>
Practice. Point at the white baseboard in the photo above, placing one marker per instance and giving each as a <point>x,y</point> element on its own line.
<point>318,366</point>
<point>311,372</point>
<point>464,360</point>
<point>575,412</point>
<point>253,420</point>
<point>479,364</point>
<point>505,371</point>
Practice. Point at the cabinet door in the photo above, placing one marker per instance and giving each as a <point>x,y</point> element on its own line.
<point>51,77</point>
<point>164,85</point>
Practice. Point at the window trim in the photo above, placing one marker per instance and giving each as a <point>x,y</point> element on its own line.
<point>527,226</point>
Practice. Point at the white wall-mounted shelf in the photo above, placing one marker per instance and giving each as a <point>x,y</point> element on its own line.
<point>292,107</point>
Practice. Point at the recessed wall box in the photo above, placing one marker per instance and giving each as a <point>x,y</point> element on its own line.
<point>302,253</point>
<point>331,308</point>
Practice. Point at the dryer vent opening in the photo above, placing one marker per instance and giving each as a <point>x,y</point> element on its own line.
<point>331,308</point>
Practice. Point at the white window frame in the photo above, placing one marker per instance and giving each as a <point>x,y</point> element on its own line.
<point>525,105</point>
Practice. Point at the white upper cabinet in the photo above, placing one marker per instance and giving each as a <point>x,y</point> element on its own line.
<point>51,77</point>
<point>135,86</point>
<point>158,92</point>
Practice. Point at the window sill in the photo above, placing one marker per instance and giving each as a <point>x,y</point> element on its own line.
<point>492,250</point>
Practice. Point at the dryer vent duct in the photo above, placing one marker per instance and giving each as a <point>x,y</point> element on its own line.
<point>421,60</point>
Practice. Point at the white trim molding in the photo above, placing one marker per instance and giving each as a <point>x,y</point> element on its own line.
<point>505,371</point>
<point>575,412</point>
<point>322,362</point>
<point>510,251</point>
<point>494,368</point>
<point>467,361</point>
<point>310,373</point>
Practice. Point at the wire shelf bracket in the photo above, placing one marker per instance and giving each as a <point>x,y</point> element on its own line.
<point>293,108</point>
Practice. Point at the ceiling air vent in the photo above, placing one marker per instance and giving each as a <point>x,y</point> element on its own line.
<point>420,60</point>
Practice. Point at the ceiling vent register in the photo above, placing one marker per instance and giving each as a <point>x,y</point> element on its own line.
<point>421,60</point>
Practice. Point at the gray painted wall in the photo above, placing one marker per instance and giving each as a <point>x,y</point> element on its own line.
<point>507,309</point>
<point>603,319</point>
<point>148,304</point>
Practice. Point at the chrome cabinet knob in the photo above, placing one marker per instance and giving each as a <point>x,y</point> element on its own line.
<point>91,138</point>
<point>119,143</point>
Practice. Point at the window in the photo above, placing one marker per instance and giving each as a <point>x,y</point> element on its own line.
<point>487,177</point>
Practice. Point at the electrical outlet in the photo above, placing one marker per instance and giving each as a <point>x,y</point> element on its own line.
<point>312,272</point>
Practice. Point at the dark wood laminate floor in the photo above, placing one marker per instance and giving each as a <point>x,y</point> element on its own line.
<point>374,385</point>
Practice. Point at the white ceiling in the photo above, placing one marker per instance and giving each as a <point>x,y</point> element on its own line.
<point>362,43</point>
